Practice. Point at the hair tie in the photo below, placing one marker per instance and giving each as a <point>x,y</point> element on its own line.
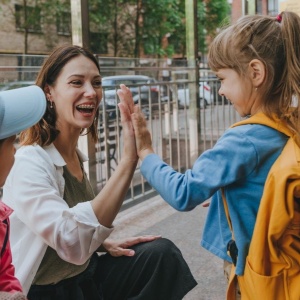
<point>279,18</point>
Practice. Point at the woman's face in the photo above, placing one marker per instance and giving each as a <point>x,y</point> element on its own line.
<point>7,157</point>
<point>76,93</point>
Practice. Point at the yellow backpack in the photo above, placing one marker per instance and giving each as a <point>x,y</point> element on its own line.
<point>272,270</point>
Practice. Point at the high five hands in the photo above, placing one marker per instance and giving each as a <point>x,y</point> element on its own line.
<point>138,125</point>
<point>133,112</point>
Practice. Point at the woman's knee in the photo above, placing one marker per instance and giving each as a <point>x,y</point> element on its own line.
<point>159,247</point>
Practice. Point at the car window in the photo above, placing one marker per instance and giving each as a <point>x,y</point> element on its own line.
<point>110,84</point>
<point>107,82</point>
<point>15,85</point>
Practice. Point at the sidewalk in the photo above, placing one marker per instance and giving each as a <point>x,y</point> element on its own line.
<point>154,216</point>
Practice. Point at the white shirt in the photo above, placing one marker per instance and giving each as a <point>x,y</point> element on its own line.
<point>41,217</point>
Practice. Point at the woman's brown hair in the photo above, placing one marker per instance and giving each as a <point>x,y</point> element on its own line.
<point>45,131</point>
<point>275,42</point>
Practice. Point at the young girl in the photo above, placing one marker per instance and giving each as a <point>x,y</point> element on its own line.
<point>58,223</point>
<point>258,63</point>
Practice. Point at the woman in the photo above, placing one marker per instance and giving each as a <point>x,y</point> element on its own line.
<point>56,227</point>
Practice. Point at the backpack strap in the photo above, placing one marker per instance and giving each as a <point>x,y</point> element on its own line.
<point>263,119</point>
<point>279,125</point>
<point>232,282</point>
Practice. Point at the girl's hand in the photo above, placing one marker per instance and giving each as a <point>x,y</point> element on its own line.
<point>121,247</point>
<point>142,134</point>
<point>126,106</point>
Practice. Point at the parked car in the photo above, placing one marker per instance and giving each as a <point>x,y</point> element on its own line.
<point>144,90</point>
<point>15,85</point>
<point>206,96</point>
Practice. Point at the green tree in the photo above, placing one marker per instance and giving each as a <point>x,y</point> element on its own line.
<point>160,20</point>
<point>212,15</point>
<point>167,17</point>
<point>113,22</point>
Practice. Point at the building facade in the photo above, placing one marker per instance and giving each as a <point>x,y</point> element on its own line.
<point>251,7</point>
<point>32,32</point>
<point>264,7</point>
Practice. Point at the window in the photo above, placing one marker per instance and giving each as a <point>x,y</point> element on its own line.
<point>250,7</point>
<point>98,42</point>
<point>272,7</point>
<point>259,8</point>
<point>63,23</point>
<point>28,18</point>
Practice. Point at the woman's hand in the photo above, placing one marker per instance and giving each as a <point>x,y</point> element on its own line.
<point>142,134</point>
<point>121,247</point>
<point>107,203</point>
<point>126,107</point>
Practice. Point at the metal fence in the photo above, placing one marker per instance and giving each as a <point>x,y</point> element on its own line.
<point>169,124</point>
<point>167,112</point>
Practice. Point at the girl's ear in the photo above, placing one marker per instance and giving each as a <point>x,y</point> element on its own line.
<point>257,72</point>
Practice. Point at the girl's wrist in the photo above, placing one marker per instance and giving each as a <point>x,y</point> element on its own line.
<point>143,153</point>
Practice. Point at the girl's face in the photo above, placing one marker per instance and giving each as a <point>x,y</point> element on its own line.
<point>7,157</point>
<point>239,91</point>
<point>76,93</point>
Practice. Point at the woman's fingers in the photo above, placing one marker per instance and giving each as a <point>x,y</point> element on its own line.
<point>125,96</point>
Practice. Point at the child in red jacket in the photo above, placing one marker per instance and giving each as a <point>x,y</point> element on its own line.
<point>19,109</point>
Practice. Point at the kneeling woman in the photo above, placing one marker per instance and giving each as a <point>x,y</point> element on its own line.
<point>58,223</point>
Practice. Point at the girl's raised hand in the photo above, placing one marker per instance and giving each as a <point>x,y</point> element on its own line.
<point>142,134</point>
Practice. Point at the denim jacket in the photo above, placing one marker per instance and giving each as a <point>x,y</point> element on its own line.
<point>239,162</point>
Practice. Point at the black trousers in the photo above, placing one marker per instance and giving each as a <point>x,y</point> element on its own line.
<point>157,271</point>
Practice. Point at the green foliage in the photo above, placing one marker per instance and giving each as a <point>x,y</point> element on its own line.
<point>212,15</point>
<point>131,27</point>
<point>161,18</point>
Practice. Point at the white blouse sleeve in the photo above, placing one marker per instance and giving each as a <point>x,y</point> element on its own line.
<point>34,189</point>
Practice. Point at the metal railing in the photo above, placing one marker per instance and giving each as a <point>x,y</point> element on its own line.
<point>168,122</point>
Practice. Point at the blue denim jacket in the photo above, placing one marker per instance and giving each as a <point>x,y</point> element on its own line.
<point>239,162</point>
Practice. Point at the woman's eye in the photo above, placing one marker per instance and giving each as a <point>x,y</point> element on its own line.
<point>76,82</point>
<point>97,83</point>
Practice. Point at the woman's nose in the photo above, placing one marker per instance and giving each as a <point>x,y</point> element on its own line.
<point>90,90</point>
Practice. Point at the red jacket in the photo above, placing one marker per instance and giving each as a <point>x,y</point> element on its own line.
<point>8,281</point>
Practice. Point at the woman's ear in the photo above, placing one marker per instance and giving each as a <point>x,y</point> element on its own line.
<point>257,72</point>
<point>47,92</point>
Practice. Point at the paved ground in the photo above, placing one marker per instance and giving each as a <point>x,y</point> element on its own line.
<point>154,216</point>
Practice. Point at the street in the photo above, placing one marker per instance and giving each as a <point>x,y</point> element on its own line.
<point>154,216</point>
